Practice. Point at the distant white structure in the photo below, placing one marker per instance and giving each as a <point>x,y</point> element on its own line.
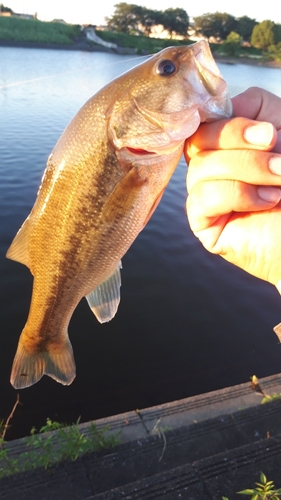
<point>93,37</point>
<point>61,21</point>
<point>15,14</point>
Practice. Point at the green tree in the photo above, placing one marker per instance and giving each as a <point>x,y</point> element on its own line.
<point>150,18</point>
<point>264,35</point>
<point>134,20</point>
<point>125,19</point>
<point>217,25</point>
<point>175,21</point>
<point>5,9</point>
<point>277,33</point>
<point>232,44</point>
<point>245,26</point>
<point>274,52</point>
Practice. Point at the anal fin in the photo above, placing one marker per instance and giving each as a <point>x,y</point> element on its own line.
<point>104,299</point>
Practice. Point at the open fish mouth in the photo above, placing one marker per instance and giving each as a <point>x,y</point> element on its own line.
<point>208,89</point>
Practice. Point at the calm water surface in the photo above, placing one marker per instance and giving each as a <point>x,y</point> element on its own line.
<point>188,322</point>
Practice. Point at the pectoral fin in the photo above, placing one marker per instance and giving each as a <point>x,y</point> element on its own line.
<point>18,250</point>
<point>277,330</point>
<point>105,298</point>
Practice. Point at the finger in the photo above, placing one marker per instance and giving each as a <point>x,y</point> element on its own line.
<point>246,165</point>
<point>258,104</point>
<point>238,133</point>
<point>248,240</point>
<point>208,201</point>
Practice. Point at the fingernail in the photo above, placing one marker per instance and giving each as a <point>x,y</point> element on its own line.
<point>260,134</point>
<point>275,165</point>
<point>270,194</point>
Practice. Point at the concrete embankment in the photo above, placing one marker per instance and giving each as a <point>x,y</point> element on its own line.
<point>199,448</point>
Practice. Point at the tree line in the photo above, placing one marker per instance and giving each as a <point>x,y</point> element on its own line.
<point>5,9</point>
<point>136,20</point>
<point>219,26</point>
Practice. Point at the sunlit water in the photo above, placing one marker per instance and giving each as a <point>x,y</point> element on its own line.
<point>188,322</point>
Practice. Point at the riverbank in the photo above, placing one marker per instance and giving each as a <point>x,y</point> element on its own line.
<point>82,45</point>
<point>77,45</point>
<point>247,60</point>
<point>85,45</point>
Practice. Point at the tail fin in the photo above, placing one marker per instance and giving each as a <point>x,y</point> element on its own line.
<point>29,368</point>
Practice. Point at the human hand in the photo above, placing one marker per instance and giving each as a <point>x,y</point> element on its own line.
<point>234,181</point>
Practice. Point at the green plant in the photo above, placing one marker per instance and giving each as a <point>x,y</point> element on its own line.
<point>257,388</point>
<point>265,490</point>
<point>272,397</point>
<point>47,447</point>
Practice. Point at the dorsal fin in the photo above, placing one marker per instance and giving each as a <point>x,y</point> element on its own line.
<point>105,298</point>
<point>18,250</point>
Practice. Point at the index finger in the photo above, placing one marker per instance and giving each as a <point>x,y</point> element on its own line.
<point>236,133</point>
<point>258,104</point>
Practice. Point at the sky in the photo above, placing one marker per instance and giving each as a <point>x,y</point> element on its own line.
<point>94,12</point>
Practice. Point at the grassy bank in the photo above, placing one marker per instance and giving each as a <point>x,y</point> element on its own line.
<point>33,33</point>
<point>38,32</point>
<point>140,43</point>
<point>27,30</point>
<point>143,43</point>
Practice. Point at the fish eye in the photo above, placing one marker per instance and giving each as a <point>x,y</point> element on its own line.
<point>166,67</point>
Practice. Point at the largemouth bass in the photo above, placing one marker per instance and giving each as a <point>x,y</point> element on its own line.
<point>103,181</point>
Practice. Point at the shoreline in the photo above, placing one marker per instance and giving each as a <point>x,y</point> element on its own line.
<point>246,60</point>
<point>82,45</point>
<point>86,47</point>
<point>79,45</point>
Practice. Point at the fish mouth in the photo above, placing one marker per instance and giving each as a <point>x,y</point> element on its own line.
<point>205,82</point>
<point>140,151</point>
<point>132,153</point>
